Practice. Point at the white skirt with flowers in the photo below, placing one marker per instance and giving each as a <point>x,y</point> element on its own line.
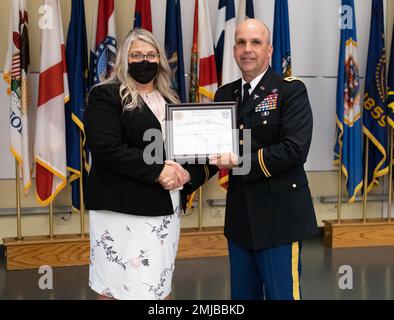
<point>133,257</point>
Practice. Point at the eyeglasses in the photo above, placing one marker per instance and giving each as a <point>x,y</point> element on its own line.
<point>138,56</point>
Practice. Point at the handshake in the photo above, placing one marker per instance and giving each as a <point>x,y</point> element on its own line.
<point>173,176</point>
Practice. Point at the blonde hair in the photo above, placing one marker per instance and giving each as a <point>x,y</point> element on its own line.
<point>128,90</point>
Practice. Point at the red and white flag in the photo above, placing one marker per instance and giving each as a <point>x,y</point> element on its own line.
<point>17,75</point>
<point>50,140</point>
<point>204,81</point>
<point>207,79</point>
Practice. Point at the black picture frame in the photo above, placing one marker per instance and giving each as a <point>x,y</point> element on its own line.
<point>198,157</point>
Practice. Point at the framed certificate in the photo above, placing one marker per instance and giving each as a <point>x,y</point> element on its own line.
<point>194,131</point>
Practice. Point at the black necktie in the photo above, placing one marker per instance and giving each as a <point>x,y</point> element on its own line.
<point>246,96</point>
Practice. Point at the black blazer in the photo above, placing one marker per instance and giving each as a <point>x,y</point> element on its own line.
<point>272,204</point>
<point>120,180</point>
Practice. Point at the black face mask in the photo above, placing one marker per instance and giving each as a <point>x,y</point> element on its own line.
<point>143,72</point>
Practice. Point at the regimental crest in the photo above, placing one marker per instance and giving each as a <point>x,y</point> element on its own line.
<point>104,60</point>
<point>352,91</point>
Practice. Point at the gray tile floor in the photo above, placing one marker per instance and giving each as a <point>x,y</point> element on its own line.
<point>208,278</point>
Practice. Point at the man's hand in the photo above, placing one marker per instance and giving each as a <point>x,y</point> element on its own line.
<point>173,176</point>
<point>224,160</point>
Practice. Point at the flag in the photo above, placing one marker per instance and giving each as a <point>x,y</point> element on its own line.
<point>203,69</point>
<point>193,91</point>
<point>245,10</point>
<point>281,58</point>
<point>227,69</point>
<point>103,49</point>
<point>174,47</point>
<point>143,15</point>
<point>374,115</point>
<point>390,86</point>
<point>226,66</point>
<point>203,84</point>
<point>348,131</point>
<point>50,140</point>
<point>17,75</point>
<point>77,62</point>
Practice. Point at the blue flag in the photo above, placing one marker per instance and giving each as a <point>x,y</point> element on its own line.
<point>348,131</point>
<point>77,63</point>
<point>374,115</point>
<point>281,58</point>
<point>390,85</point>
<point>249,9</point>
<point>174,47</point>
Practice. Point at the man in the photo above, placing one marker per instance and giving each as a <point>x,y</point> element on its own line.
<point>268,210</point>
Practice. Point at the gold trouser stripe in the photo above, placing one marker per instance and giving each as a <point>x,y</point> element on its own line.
<point>294,270</point>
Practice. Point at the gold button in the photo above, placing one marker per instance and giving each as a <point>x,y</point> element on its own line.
<point>241,142</point>
<point>265,122</point>
<point>294,185</point>
<point>241,127</point>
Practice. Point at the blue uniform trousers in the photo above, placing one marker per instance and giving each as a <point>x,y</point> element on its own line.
<point>271,273</point>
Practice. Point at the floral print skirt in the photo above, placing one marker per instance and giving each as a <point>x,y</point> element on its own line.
<point>133,257</point>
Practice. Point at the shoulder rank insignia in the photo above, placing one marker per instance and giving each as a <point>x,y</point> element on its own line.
<point>291,79</point>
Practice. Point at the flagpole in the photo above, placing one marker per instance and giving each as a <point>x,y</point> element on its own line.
<point>51,220</point>
<point>200,209</point>
<point>339,205</point>
<point>18,203</point>
<point>365,179</point>
<point>81,197</point>
<point>390,191</point>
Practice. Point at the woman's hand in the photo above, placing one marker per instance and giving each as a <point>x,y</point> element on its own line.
<point>173,176</point>
<point>183,175</point>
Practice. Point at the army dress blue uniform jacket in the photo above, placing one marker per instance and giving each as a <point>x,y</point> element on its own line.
<point>272,204</point>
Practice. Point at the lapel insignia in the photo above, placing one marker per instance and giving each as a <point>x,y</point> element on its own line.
<point>256,96</point>
<point>269,103</point>
<point>262,88</point>
<point>236,91</point>
<point>275,91</point>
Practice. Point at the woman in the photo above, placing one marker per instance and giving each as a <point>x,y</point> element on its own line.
<point>135,205</point>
